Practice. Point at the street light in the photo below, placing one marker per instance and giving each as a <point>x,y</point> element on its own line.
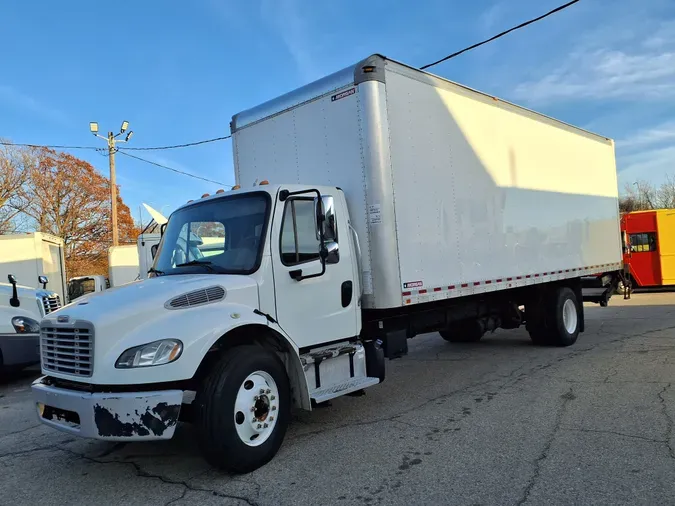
<point>112,139</point>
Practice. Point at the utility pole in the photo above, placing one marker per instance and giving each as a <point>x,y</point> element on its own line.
<point>111,139</point>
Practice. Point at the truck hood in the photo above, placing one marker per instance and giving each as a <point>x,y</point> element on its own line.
<point>141,302</point>
<point>30,304</point>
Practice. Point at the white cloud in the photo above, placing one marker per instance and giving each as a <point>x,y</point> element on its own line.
<point>658,134</point>
<point>16,99</point>
<point>605,75</point>
<point>653,165</point>
<point>286,17</point>
<point>625,66</point>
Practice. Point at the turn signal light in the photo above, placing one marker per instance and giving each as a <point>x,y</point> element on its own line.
<point>236,187</point>
<point>263,182</point>
<point>220,191</point>
<point>205,195</point>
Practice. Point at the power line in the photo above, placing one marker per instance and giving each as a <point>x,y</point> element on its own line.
<point>155,148</point>
<point>171,168</point>
<point>149,148</point>
<point>47,146</point>
<point>522,25</point>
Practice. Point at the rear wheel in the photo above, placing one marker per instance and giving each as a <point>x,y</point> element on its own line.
<point>469,331</point>
<point>557,320</point>
<point>243,409</point>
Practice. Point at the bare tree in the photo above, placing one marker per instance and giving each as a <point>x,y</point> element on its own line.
<point>666,193</point>
<point>15,166</point>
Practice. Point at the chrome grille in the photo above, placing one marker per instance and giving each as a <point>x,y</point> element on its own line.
<point>197,298</point>
<point>68,349</point>
<point>51,303</point>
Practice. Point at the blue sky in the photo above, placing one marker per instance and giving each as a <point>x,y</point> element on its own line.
<point>178,71</point>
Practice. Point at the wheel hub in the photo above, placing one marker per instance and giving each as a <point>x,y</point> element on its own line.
<point>256,408</point>
<point>570,316</point>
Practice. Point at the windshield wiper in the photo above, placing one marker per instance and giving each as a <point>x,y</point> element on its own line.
<point>205,263</point>
<point>152,270</point>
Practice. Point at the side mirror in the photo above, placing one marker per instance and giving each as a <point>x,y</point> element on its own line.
<point>325,217</point>
<point>153,250</point>
<point>14,300</point>
<point>43,280</point>
<point>331,252</point>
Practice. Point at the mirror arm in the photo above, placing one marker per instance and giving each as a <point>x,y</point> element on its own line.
<point>14,301</point>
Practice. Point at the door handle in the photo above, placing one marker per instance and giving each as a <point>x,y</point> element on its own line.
<point>347,293</point>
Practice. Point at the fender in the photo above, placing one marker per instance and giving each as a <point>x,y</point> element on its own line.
<point>294,368</point>
<point>199,329</point>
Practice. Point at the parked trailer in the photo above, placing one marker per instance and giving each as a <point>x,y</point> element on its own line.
<point>402,204</point>
<point>29,256</point>
<point>649,247</point>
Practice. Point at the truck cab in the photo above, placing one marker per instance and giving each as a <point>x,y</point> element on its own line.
<point>21,309</point>
<point>277,292</point>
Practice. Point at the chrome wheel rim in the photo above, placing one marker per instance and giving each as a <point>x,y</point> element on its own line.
<point>256,408</point>
<point>570,317</point>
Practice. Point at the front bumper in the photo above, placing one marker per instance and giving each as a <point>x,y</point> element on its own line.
<point>19,349</point>
<point>115,416</point>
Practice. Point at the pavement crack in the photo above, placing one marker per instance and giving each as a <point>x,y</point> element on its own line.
<point>615,433</point>
<point>21,431</point>
<point>566,398</point>
<point>27,452</point>
<point>669,421</point>
<point>141,473</point>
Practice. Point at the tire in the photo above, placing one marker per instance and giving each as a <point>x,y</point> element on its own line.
<point>465,332</point>
<point>238,390</point>
<point>558,320</point>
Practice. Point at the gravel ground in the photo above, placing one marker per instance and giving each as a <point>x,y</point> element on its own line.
<point>493,423</point>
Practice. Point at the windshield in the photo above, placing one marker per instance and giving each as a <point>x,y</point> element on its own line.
<point>79,287</point>
<point>221,235</point>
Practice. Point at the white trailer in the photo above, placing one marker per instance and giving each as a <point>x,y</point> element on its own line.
<point>401,203</point>
<point>29,256</point>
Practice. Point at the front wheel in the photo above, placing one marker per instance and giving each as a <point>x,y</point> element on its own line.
<point>243,409</point>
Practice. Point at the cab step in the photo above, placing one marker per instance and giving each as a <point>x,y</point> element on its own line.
<point>331,392</point>
<point>336,370</point>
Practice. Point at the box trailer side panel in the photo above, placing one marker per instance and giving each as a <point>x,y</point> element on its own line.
<point>316,143</point>
<point>665,220</point>
<point>123,264</point>
<point>53,263</point>
<point>486,191</point>
<point>452,192</point>
<point>19,256</point>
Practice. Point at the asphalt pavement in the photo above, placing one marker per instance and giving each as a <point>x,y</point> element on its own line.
<point>500,422</point>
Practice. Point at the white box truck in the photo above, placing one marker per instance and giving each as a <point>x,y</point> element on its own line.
<point>400,203</point>
<point>29,256</point>
<point>126,263</point>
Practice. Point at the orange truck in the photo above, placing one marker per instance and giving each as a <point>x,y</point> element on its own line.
<point>649,247</point>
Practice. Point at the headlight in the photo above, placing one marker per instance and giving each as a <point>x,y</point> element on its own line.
<point>23,325</point>
<point>146,355</point>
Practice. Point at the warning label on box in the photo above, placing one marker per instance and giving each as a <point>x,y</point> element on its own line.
<point>375,214</point>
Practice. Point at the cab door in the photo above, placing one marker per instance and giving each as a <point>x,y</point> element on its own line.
<point>320,308</point>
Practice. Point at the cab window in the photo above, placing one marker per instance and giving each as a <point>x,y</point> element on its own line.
<point>299,241</point>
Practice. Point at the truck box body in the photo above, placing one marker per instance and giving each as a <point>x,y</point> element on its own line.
<point>451,192</point>
<point>123,264</point>
<point>28,256</point>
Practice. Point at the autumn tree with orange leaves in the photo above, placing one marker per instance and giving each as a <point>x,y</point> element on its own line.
<point>67,197</point>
